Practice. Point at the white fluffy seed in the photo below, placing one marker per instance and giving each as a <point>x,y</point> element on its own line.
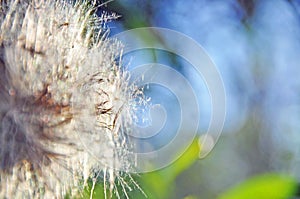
<point>63,99</point>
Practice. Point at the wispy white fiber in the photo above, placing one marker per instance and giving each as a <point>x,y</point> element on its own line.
<point>65,103</point>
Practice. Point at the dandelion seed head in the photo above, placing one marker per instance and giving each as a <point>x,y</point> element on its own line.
<point>65,103</point>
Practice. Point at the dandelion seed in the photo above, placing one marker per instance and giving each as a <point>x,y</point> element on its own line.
<point>64,101</point>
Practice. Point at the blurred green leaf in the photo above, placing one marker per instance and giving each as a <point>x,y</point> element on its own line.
<point>191,197</point>
<point>267,186</point>
<point>159,184</point>
<point>182,163</point>
<point>98,191</point>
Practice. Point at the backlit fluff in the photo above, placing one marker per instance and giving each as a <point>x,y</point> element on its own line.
<point>64,101</point>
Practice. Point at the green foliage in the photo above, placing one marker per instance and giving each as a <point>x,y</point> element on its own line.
<point>153,185</point>
<point>98,191</point>
<point>160,184</point>
<point>266,186</point>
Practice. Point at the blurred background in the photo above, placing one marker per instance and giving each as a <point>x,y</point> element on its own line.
<point>255,45</point>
